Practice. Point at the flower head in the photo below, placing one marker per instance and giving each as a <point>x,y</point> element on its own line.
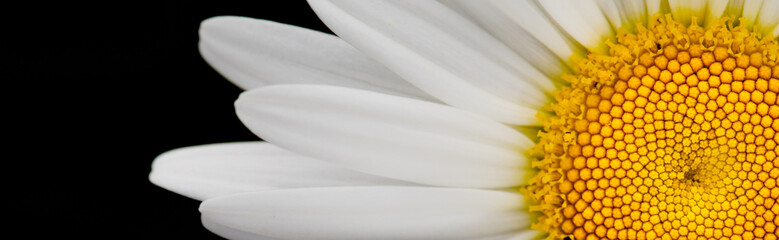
<point>496,120</point>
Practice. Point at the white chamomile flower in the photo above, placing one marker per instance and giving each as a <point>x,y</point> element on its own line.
<point>503,119</point>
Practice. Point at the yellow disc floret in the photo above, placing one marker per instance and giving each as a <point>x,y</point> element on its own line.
<point>672,135</point>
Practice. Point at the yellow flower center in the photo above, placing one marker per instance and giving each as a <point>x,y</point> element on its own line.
<point>672,135</point>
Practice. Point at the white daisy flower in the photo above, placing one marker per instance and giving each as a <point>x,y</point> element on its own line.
<point>524,119</point>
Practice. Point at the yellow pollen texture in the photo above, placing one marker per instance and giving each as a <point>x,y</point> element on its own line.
<point>671,136</point>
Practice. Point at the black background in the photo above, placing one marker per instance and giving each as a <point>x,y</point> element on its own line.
<point>93,93</point>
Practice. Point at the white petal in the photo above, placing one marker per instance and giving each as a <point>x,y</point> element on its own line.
<point>634,11</point>
<point>535,21</point>
<point>769,15</point>
<point>442,53</point>
<point>371,213</point>
<point>526,235</point>
<point>230,233</point>
<point>386,135</point>
<point>254,53</point>
<point>499,22</point>
<point>684,10</point>
<point>776,31</point>
<point>583,20</point>
<point>612,13</point>
<point>751,9</point>
<point>209,171</point>
<point>652,8</point>
<point>734,8</point>
<point>233,234</point>
<point>716,9</point>
<point>629,12</point>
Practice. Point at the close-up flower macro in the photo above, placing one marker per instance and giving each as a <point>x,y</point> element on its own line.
<point>500,119</point>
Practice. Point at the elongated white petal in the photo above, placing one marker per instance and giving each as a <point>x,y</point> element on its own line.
<point>498,21</point>
<point>528,234</point>
<point>652,8</point>
<point>230,233</point>
<point>751,9</point>
<point>769,16</point>
<point>254,53</point>
<point>583,20</point>
<point>442,53</point>
<point>371,213</point>
<point>386,135</point>
<point>628,13</point>
<point>233,234</point>
<point>535,21</point>
<point>776,31</point>
<point>716,9</point>
<point>612,13</point>
<point>209,171</point>
<point>684,10</point>
<point>634,11</point>
<point>734,8</point>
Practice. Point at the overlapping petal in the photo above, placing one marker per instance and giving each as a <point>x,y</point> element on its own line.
<point>685,11</point>
<point>371,213</point>
<point>768,17</point>
<point>715,10</point>
<point>751,10</point>
<point>254,53</point>
<point>583,20</point>
<point>626,14</point>
<point>526,235</point>
<point>231,233</point>
<point>387,135</point>
<point>442,53</point>
<point>208,171</point>
<point>531,35</point>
